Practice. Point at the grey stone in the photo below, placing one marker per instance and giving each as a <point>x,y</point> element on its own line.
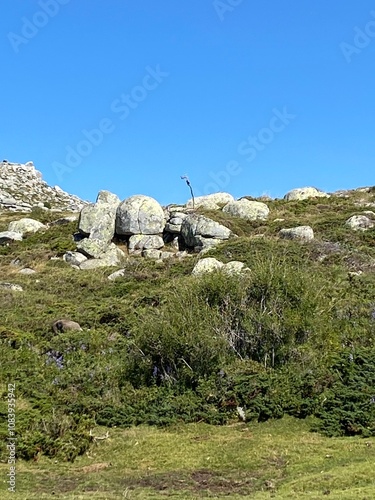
<point>206,265</point>
<point>12,287</point>
<point>97,220</point>
<point>210,201</point>
<point>152,253</point>
<point>92,248</point>
<point>145,242</point>
<point>27,270</point>
<point>360,223</point>
<point>139,214</point>
<point>7,236</point>
<point>117,274</point>
<point>304,233</point>
<point>248,210</point>
<point>305,193</point>
<point>234,267</point>
<point>196,226</point>
<point>74,258</point>
<point>26,225</point>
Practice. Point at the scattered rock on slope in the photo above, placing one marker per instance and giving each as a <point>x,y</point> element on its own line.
<point>8,236</point>
<point>246,209</point>
<point>360,223</point>
<point>25,226</point>
<point>305,193</point>
<point>304,233</point>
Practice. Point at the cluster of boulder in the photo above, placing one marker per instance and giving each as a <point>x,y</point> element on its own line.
<point>110,230</point>
<point>144,227</point>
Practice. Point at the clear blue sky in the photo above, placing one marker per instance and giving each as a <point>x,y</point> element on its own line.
<point>248,97</point>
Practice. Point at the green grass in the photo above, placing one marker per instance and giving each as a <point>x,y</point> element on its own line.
<point>276,459</point>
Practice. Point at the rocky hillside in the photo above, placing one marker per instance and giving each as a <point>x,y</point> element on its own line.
<point>127,312</point>
<point>22,188</point>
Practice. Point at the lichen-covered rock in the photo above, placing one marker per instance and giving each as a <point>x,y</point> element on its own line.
<point>152,253</point>
<point>74,258</point>
<point>196,226</point>
<point>304,233</point>
<point>210,201</point>
<point>8,236</point>
<point>25,226</point>
<point>248,210</point>
<point>206,265</point>
<point>234,267</point>
<point>145,242</point>
<point>360,223</point>
<point>305,193</point>
<point>92,248</point>
<point>97,220</point>
<point>139,214</point>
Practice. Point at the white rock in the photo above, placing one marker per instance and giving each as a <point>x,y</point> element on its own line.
<point>234,267</point>
<point>206,265</point>
<point>247,209</point>
<point>117,274</point>
<point>305,193</point>
<point>360,223</point>
<point>12,287</point>
<point>304,233</point>
<point>27,271</point>
<point>7,236</point>
<point>210,201</point>
<point>74,258</point>
<point>26,225</point>
<point>139,214</point>
<point>145,242</point>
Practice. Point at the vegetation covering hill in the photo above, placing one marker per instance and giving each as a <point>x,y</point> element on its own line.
<point>291,339</point>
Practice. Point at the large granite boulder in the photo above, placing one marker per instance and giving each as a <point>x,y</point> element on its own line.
<point>111,256</point>
<point>246,209</point>
<point>25,226</point>
<point>195,227</point>
<point>97,220</point>
<point>305,193</point>
<point>210,201</point>
<point>139,214</point>
<point>145,242</point>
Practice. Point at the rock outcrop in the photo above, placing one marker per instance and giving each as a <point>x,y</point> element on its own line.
<point>305,193</point>
<point>22,189</point>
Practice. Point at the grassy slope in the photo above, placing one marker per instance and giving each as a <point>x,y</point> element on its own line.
<point>276,458</point>
<point>279,459</point>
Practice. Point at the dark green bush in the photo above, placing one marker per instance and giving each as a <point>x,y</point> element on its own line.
<point>348,405</point>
